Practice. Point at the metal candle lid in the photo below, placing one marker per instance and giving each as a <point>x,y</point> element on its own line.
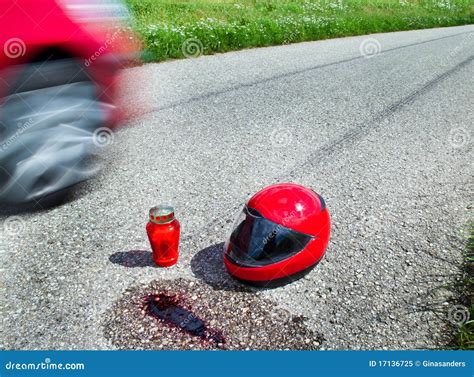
<point>161,214</point>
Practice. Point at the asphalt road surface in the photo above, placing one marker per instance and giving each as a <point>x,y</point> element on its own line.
<point>380,125</point>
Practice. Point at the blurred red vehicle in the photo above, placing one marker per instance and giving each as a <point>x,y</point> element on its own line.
<point>59,63</point>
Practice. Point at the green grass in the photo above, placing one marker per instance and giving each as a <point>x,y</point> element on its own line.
<point>225,25</point>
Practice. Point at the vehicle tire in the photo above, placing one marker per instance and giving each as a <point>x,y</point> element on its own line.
<point>47,130</point>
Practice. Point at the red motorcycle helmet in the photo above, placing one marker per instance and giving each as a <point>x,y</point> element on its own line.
<point>279,236</point>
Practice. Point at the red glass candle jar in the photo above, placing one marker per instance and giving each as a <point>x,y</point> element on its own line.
<point>163,231</point>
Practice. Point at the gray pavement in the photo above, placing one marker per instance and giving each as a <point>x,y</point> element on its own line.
<point>385,138</point>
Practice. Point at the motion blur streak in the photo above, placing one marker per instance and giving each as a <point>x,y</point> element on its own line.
<point>59,66</point>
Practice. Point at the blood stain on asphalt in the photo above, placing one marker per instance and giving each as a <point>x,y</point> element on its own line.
<point>182,314</point>
<point>172,311</point>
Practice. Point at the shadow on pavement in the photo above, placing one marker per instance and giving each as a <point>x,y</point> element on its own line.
<point>208,266</point>
<point>133,258</point>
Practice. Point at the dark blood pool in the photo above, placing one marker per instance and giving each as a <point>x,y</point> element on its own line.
<point>168,309</point>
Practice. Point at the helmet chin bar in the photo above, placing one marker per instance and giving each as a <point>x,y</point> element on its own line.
<point>279,282</point>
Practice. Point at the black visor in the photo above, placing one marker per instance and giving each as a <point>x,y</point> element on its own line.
<point>256,241</point>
